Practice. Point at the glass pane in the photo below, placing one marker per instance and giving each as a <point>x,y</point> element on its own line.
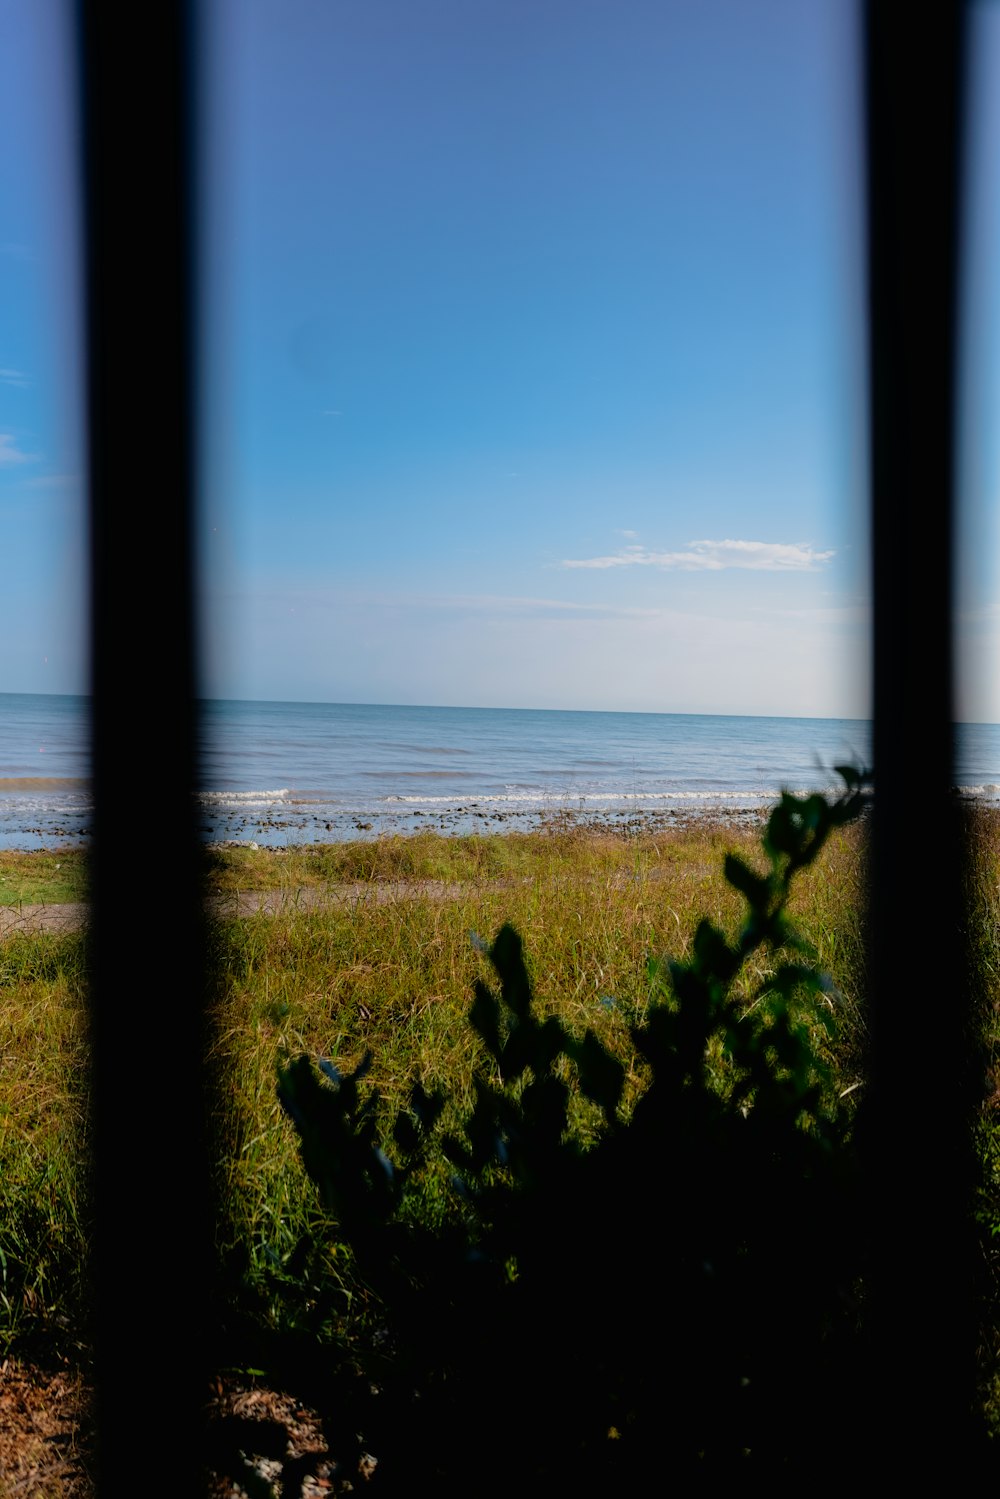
<point>44,755</point>
<point>977,634</point>
<point>978,630</point>
<point>535,379</point>
<point>535,549</point>
<point>43,763</point>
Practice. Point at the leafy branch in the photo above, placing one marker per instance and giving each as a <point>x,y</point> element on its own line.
<point>497,1308</point>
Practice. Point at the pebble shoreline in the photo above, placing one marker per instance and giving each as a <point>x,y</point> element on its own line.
<point>472,820</point>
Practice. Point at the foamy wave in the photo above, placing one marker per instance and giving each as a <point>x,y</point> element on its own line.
<point>243,798</point>
<point>553,799</point>
<point>22,808</point>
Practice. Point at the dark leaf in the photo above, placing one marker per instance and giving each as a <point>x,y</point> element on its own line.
<point>756,889</point>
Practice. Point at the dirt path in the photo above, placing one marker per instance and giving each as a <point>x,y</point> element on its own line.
<point>44,1447</point>
<point>47,1449</point>
<point>73,915</point>
<point>65,918</point>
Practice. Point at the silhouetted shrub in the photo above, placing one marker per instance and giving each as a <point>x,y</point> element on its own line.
<point>680,1293</point>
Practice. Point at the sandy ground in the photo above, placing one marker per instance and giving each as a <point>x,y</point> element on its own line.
<point>43,1425</point>
<point>46,1447</point>
<point>72,916</point>
<point>67,918</point>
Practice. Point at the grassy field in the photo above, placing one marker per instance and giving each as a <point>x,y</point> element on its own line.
<point>388,967</point>
<point>43,877</point>
<point>42,1137</point>
<point>381,957</point>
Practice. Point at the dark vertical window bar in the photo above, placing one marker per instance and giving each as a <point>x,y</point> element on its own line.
<point>923,1093</point>
<point>152,1242</point>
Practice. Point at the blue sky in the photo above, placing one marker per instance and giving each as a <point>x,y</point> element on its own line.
<point>533,352</point>
<point>41,499</point>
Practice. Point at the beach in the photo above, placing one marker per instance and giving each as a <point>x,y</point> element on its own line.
<point>287,773</point>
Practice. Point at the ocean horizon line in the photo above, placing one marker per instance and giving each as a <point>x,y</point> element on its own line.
<point>316,702</point>
<point>279,771</point>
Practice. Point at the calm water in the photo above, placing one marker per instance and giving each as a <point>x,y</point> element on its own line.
<point>295,772</point>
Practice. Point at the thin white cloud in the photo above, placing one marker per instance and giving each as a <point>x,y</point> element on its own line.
<point>14,377</point>
<point>715,556</point>
<point>10,452</point>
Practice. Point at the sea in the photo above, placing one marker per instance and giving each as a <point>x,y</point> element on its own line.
<point>290,773</point>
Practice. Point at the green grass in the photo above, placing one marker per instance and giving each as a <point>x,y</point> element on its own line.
<point>559,849</point>
<point>43,876</point>
<point>42,1138</point>
<point>390,970</point>
<point>984,926</point>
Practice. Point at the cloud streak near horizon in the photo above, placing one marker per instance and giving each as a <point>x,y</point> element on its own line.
<point>715,556</point>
